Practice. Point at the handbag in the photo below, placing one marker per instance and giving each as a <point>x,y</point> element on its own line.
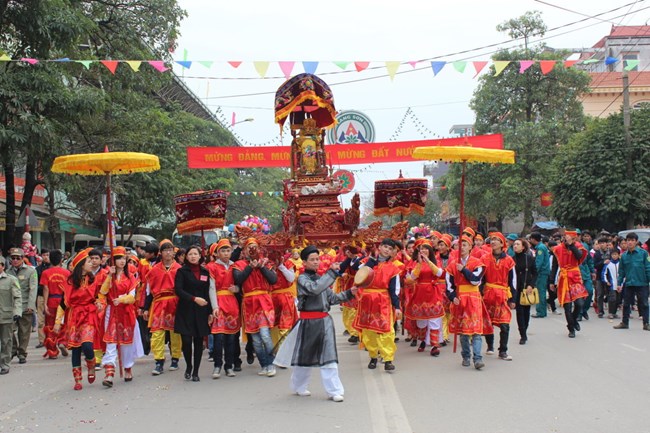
<point>526,300</point>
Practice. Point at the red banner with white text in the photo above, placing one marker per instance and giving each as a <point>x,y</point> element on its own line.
<point>337,154</point>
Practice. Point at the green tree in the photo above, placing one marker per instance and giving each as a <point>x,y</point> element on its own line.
<point>589,183</point>
<point>536,113</point>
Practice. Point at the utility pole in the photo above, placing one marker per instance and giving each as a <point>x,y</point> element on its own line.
<point>629,222</point>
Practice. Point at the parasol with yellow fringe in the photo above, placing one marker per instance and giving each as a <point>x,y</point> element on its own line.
<point>106,164</point>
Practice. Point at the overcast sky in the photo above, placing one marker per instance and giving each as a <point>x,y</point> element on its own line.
<point>375,31</point>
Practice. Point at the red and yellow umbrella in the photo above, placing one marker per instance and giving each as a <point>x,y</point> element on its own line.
<point>106,164</point>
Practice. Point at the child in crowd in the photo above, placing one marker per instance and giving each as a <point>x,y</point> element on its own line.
<point>29,249</point>
<point>610,279</point>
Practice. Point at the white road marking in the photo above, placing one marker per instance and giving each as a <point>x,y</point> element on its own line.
<point>632,347</point>
<point>387,414</point>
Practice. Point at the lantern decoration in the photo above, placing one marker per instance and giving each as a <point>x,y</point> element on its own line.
<point>200,210</point>
<point>400,196</point>
<point>546,199</point>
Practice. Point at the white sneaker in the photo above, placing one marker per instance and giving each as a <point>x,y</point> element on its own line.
<point>305,393</point>
<point>489,352</point>
<point>230,373</point>
<point>270,371</point>
<point>337,398</point>
<point>262,372</point>
<point>216,373</point>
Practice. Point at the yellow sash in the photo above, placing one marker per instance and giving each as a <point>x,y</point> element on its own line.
<point>155,301</point>
<point>281,291</point>
<point>563,283</point>
<point>500,287</point>
<point>255,293</point>
<point>225,293</point>
<point>467,288</point>
<point>375,291</point>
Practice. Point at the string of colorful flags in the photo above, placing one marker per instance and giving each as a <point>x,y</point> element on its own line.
<point>287,67</point>
<point>255,193</point>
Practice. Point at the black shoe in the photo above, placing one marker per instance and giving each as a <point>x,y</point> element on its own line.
<point>353,339</point>
<point>601,315</point>
<point>414,342</point>
<point>579,318</point>
<point>622,326</point>
<point>39,345</point>
<point>408,339</point>
<point>572,334</point>
<point>389,366</point>
<point>577,326</point>
<point>585,315</point>
<point>346,332</point>
<point>195,379</point>
<point>22,360</point>
<point>237,367</point>
<point>523,340</point>
<point>646,326</point>
<point>188,375</point>
<point>250,358</point>
<point>465,362</point>
<point>372,364</point>
<point>396,339</point>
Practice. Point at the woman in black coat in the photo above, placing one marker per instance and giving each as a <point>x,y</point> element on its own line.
<point>526,277</point>
<point>192,287</point>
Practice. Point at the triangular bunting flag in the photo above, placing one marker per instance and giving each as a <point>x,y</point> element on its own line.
<point>158,65</point>
<point>342,65</point>
<point>525,64</point>
<point>360,66</point>
<point>206,63</point>
<point>184,63</point>
<point>478,67</point>
<point>631,64</point>
<point>261,193</point>
<point>610,60</point>
<point>5,58</point>
<point>499,66</point>
<point>234,64</point>
<point>310,67</point>
<point>134,64</point>
<point>62,60</point>
<point>546,66</point>
<point>460,66</point>
<point>286,68</point>
<point>111,65</point>
<point>569,63</point>
<point>437,67</point>
<point>270,193</point>
<point>413,63</point>
<point>590,61</point>
<point>261,68</point>
<point>29,60</point>
<point>391,68</point>
<point>86,63</point>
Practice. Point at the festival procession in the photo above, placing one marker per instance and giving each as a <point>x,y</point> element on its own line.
<point>148,246</point>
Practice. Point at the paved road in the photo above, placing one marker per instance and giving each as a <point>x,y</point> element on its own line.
<point>598,382</point>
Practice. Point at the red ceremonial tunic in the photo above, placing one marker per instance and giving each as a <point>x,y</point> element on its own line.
<point>346,282</point>
<point>470,316</point>
<point>121,317</point>
<point>55,279</point>
<point>496,292</point>
<point>478,252</point>
<point>228,320</point>
<point>257,304</point>
<point>375,311</point>
<point>326,261</point>
<point>569,284</point>
<point>163,308</point>
<point>441,282</point>
<point>144,267</point>
<point>427,299</point>
<point>283,294</point>
<point>81,320</point>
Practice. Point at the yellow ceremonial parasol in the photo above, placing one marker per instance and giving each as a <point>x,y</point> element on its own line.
<point>464,154</point>
<point>106,164</point>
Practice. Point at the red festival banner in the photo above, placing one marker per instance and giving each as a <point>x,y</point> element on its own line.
<point>337,154</point>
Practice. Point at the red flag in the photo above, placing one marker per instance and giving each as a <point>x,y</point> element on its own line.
<point>111,65</point>
<point>546,65</point>
<point>361,65</point>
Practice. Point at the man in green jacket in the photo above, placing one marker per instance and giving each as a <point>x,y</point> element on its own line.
<point>634,274</point>
<point>543,267</point>
<point>11,307</point>
<point>28,281</point>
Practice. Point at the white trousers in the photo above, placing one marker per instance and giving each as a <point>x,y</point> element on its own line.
<point>431,325</point>
<point>128,352</point>
<point>329,375</point>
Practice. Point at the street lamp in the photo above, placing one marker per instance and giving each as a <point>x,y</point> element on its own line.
<point>248,119</point>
